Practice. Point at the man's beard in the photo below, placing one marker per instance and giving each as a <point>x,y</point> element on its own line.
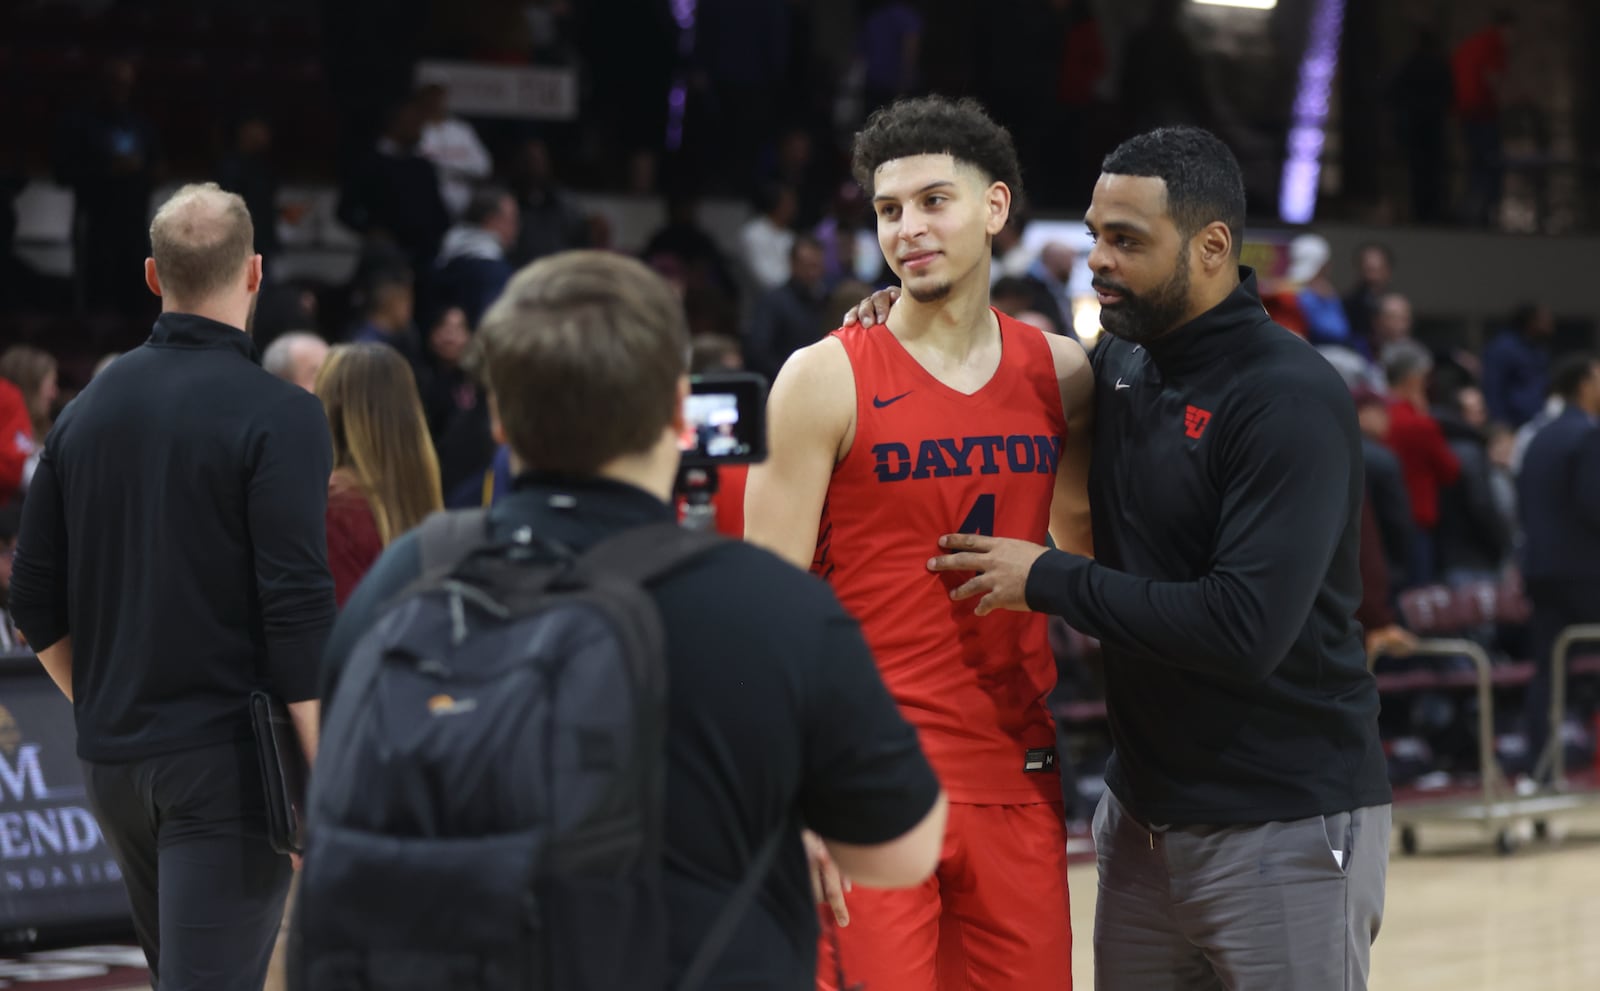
<point>929,294</point>
<point>1143,318</point>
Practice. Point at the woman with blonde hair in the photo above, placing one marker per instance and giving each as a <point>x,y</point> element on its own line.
<point>385,473</point>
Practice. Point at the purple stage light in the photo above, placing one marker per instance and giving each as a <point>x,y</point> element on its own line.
<point>683,12</point>
<point>1297,196</point>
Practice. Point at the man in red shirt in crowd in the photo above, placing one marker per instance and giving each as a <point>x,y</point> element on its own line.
<point>1479,68</point>
<point>1417,440</point>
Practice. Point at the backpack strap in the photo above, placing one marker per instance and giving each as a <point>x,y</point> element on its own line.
<point>733,910</point>
<point>645,554</point>
<point>445,539</point>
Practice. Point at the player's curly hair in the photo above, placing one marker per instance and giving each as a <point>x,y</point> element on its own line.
<point>937,125</point>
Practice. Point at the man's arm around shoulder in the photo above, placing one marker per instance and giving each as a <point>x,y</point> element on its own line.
<point>809,413</point>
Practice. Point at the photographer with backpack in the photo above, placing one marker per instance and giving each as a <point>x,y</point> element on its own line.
<point>570,745</point>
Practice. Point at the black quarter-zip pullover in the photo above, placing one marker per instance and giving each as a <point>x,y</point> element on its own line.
<point>1226,490</point>
<point>175,529</point>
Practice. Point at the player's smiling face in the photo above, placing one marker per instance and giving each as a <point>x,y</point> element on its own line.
<point>936,218</point>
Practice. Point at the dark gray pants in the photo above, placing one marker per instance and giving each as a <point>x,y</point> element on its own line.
<point>188,830</point>
<point>1280,906</point>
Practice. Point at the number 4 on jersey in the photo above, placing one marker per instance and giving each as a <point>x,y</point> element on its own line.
<point>980,519</point>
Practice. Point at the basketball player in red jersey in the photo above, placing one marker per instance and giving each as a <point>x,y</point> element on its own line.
<point>950,416</point>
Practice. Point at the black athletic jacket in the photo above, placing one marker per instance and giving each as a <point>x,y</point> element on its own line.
<point>1226,488</point>
<point>175,528</point>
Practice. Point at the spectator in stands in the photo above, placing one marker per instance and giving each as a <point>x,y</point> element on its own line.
<point>551,219</point>
<point>1053,271</point>
<point>452,145</point>
<point>385,476</point>
<point>808,733</point>
<point>472,268</point>
<point>158,625</point>
<point>1381,629</point>
<point>1516,366</point>
<point>1392,323</point>
<point>10,521</point>
<point>108,154</point>
<point>1473,538</point>
<point>296,357</point>
<point>451,392</point>
<point>394,195</point>
<point>767,237</point>
<point>1375,265</point>
<point>1310,259</point>
<point>789,318</point>
<point>1479,68</point>
<point>1386,487</point>
<point>1425,458</point>
<point>389,311</point>
<point>247,169</point>
<point>35,373</point>
<point>1558,498</point>
<point>18,452</point>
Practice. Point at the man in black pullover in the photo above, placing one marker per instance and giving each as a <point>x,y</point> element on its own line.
<point>172,559</point>
<point>1243,840</point>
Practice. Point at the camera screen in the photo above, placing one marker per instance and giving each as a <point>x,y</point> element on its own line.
<point>724,420</point>
<point>712,427</point>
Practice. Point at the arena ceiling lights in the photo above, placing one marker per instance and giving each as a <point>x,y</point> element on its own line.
<point>1247,4</point>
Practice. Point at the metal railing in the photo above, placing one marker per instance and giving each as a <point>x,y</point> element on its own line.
<point>1496,804</point>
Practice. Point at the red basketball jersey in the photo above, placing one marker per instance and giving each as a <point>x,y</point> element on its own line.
<point>927,460</point>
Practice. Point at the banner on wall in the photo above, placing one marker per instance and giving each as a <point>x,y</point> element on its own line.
<point>55,867</point>
<point>478,89</point>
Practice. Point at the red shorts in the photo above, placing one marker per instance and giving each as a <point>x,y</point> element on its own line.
<point>993,917</point>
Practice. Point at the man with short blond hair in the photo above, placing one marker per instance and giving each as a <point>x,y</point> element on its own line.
<point>172,560</point>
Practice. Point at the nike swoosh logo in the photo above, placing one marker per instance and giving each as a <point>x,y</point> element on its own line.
<point>1123,385</point>
<point>881,403</point>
